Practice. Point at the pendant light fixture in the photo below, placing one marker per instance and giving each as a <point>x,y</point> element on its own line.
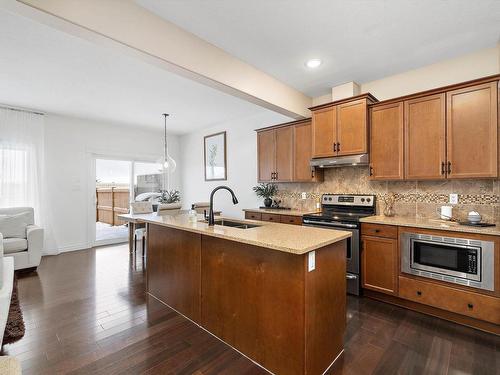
<point>168,162</point>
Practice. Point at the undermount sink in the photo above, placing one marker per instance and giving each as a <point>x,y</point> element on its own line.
<point>234,224</point>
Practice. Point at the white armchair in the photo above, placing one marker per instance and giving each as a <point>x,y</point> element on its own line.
<point>22,239</point>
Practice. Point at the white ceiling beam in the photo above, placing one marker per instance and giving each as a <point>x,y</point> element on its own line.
<point>125,25</point>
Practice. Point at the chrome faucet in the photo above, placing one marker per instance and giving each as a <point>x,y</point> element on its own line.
<point>210,218</point>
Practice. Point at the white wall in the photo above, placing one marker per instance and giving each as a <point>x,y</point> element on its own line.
<point>69,144</point>
<point>241,164</point>
<point>464,68</point>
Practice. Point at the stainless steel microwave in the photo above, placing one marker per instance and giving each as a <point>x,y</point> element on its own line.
<point>461,261</point>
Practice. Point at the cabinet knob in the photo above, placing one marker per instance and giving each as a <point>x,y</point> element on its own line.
<point>377,230</point>
<point>338,147</point>
<point>443,168</point>
<point>419,293</point>
<point>335,147</point>
<point>449,167</point>
<point>470,306</point>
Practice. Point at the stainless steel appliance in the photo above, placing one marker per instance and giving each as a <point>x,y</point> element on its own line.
<point>342,212</point>
<point>456,260</point>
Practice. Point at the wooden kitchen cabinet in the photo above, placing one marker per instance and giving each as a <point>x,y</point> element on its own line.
<point>266,150</point>
<point>472,127</point>
<point>425,137</point>
<point>285,152</point>
<point>303,153</point>
<point>324,132</point>
<point>275,155</point>
<point>387,142</point>
<point>341,127</point>
<point>379,262</point>
<point>352,132</point>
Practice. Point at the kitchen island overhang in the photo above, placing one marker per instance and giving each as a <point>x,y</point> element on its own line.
<point>261,292</point>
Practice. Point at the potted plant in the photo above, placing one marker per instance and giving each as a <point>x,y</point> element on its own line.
<point>169,200</point>
<point>266,191</point>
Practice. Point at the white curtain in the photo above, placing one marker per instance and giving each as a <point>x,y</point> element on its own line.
<point>22,166</point>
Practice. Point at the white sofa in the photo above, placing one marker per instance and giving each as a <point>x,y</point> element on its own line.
<point>26,247</point>
<point>6,285</point>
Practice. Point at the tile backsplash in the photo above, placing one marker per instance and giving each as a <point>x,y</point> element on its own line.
<point>420,198</point>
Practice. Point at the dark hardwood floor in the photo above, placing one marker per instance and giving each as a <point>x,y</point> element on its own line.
<point>86,313</point>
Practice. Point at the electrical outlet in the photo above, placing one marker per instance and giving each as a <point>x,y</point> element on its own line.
<point>304,195</point>
<point>311,264</point>
<point>453,198</point>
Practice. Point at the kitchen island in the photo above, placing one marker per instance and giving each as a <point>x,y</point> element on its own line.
<point>275,292</point>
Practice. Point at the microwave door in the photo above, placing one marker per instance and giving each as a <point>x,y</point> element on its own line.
<point>446,259</point>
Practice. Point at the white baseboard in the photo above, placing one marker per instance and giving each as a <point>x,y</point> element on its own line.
<point>75,247</point>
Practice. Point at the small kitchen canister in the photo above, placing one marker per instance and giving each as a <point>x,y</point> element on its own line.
<point>446,212</point>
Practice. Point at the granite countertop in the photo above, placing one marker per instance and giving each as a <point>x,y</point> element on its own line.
<point>426,223</point>
<point>282,237</point>
<point>279,211</point>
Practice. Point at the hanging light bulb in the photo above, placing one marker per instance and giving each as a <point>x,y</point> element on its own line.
<point>168,162</point>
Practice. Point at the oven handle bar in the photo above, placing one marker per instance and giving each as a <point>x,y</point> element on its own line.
<point>329,224</point>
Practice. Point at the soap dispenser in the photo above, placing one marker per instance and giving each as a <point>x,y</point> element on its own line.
<point>193,216</point>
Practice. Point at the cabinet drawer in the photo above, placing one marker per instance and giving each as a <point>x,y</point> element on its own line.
<point>253,215</point>
<point>379,230</point>
<point>289,219</point>
<point>458,301</point>
<point>271,217</point>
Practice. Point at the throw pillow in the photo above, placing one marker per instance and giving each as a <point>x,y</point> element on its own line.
<point>14,225</point>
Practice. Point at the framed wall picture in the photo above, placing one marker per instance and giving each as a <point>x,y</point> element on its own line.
<point>215,157</point>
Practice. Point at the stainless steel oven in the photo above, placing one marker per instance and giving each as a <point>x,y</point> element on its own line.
<point>342,212</point>
<point>456,260</point>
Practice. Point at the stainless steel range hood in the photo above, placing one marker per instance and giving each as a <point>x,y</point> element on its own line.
<point>341,161</point>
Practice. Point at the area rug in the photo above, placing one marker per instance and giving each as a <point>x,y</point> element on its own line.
<point>14,330</point>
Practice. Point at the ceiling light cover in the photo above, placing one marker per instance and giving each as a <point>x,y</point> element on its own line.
<point>313,63</point>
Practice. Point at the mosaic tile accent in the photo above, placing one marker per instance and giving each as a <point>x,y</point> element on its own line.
<point>421,198</point>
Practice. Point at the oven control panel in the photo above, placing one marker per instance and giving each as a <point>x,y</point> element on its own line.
<point>348,200</point>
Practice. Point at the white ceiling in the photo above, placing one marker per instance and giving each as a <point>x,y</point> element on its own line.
<point>358,40</point>
<point>46,69</point>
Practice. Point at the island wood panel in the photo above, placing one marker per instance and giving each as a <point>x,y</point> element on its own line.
<point>425,132</point>
<point>253,299</point>
<point>387,142</point>
<point>284,154</point>
<point>173,264</point>
<point>325,311</point>
<point>266,151</point>
<point>324,132</point>
<point>352,131</point>
<point>472,128</point>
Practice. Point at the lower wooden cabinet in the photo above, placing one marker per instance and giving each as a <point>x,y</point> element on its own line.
<point>451,299</point>
<point>379,263</point>
<point>275,218</point>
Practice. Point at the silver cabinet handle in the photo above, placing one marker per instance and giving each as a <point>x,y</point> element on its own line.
<point>351,277</point>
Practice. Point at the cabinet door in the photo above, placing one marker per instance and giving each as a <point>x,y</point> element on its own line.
<point>284,154</point>
<point>266,145</point>
<point>324,125</point>
<point>352,131</point>
<point>379,258</point>
<point>425,131</point>
<point>302,170</point>
<point>472,127</point>
<point>386,142</point>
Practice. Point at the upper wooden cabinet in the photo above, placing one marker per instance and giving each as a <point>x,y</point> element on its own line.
<point>451,132</point>
<point>324,130</point>
<point>303,153</point>
<point>425,131</point>
<point>340,127</point>
<point>284,153</point>
<point>386,142</point>
<point>266,153</point>
<point>472,127</point>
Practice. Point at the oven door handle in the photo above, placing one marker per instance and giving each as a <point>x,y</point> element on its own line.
<point>329,224</point>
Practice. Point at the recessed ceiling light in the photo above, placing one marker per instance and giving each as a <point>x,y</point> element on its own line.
<point>313,63</point>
